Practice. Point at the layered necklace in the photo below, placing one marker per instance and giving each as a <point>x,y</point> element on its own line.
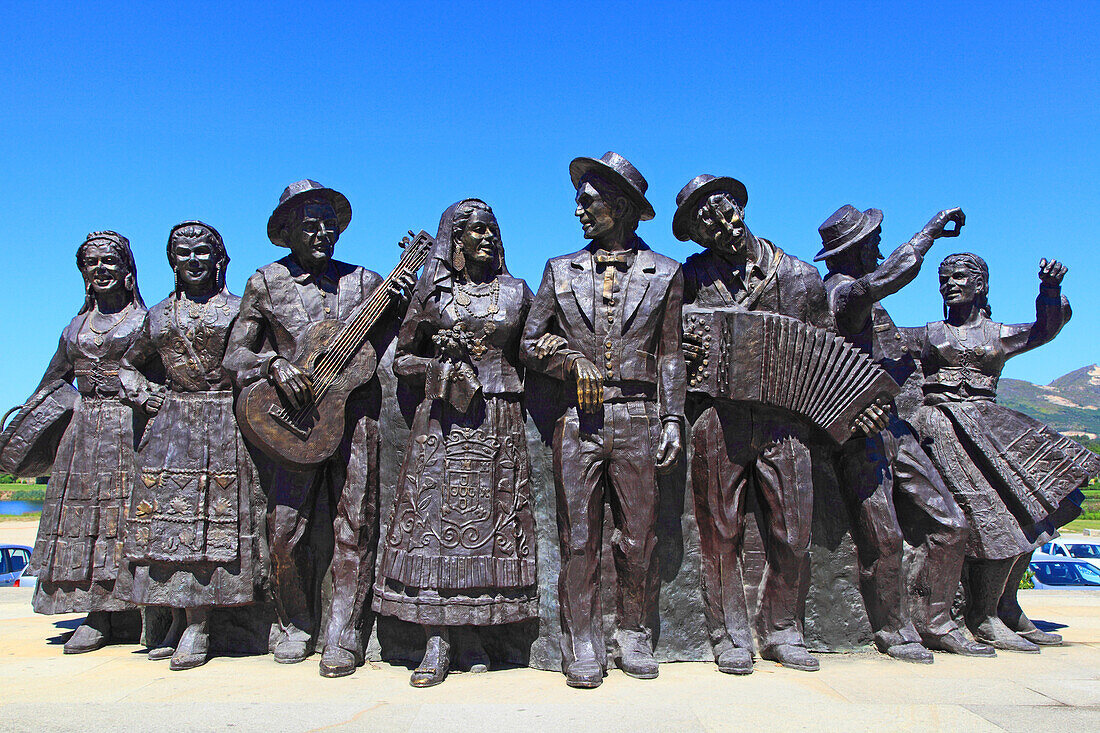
<point>464,295</point>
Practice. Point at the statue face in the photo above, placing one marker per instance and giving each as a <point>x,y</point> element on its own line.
<point>959,285</point>
<point>869,253</point>
<point>478,241</point>
<point>311,233</point>
<point>595,214</point>
<point>104,271</point>
<point>193,261</point>
<point>718,224</point>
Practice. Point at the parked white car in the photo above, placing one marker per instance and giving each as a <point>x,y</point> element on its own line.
<point>1063,573</point>
<point>1077,547</point>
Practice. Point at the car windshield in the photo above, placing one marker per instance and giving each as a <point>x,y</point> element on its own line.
<point>1084,551</point>
<point>1066,573</point>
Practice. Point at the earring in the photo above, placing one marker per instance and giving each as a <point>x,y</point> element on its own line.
<point>459,258</point>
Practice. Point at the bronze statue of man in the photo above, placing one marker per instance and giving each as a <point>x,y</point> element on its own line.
<point>606,321</point>
<point>877,469</point>
<point>742,446</point>
<point>280,302</point>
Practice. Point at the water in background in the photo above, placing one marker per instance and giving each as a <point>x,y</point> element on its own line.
<point>12,507</point>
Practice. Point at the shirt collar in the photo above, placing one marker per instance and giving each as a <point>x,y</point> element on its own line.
<point>302,276</point>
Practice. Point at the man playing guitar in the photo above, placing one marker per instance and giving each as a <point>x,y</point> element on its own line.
<point>281,301</point>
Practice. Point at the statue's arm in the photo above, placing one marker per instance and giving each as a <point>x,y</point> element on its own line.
<point>137,390</point>
<point>1052,311</point>
<point>248,355</point>
<point>852,300</point>
<point>671,368</point>
<point>60,366</point>
<point>542,320</point>
<point>409,361</point>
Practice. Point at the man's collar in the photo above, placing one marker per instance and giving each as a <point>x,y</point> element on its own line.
<point>302,276</point>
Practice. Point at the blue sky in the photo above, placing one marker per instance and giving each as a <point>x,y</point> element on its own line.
<point>138,116</point>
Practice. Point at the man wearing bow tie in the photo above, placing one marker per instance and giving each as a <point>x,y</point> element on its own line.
<point>606,322</point>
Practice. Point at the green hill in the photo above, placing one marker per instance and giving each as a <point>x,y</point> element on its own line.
<point>1071,403</point>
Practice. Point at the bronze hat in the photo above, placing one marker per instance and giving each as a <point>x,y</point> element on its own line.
<point>703,185</point>
<point>846,227</point>
<point>619,171</point>
<point>294,194</point>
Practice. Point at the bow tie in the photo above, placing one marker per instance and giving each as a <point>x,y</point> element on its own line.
<point>619,260</point>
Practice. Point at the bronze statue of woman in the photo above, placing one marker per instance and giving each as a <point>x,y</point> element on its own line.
<point>460,550</point>
<point>77,556</point>
<point>1008,472</point>
<point>194,530</point>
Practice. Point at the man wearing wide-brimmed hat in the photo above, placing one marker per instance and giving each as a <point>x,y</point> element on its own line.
<point>742,447</point>
<point>875,469</point>
<point>606,323</point>
<point>280,302</point>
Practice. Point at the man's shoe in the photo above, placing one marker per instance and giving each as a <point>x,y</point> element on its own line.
<point>910,652</point>
<point>295,646</point>
<point>735,661</point>
<point>790,655</point>
<point>193,649</point>
<point>90,635</point>
<point>584,674</point>
<point>955,642</point>
<point>994,632</point>
<point>338,662</point>
<point>1042,638</point>
<point>635,655</point>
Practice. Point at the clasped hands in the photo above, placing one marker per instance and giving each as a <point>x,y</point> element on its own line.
<point>590,397</point>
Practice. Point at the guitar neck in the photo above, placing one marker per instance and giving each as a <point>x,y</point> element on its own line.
<point>352,336</point>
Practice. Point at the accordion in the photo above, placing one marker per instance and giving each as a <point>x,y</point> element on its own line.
<point>779,361</point>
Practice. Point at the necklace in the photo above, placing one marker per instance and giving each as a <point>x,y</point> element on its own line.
<point>464,291</point>
<point>98,336</point>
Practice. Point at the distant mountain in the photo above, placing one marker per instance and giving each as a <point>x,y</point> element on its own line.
<point>1069,404</point>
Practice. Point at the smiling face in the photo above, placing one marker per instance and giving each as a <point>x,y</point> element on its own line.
<point>104,271</point>
<point>595,213</point>
<point>195,263</point>
<point>959,284</point>
<point>479,239</point>
<point>311,232</point>
<point>718,224</point>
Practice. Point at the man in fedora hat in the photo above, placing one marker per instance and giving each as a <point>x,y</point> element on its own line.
<point>877,468</point>
<point>606,322</point>
<point>742,447</point>
<point>280,302</point>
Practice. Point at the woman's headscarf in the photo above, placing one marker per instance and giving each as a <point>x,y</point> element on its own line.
<point>120,245</point>
<point>979,269</point>
<point>193,229</point>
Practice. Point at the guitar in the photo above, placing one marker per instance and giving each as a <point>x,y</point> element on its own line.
<point>338,359</point>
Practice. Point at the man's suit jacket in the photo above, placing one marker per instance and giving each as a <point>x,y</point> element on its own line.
<point>649,349</point>
<point>281,301</point>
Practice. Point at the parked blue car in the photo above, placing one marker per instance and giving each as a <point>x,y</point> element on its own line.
<point>14,560</point>
<point>1065,573</point>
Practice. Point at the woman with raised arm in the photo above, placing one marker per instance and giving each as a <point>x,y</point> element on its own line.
<point>77,556</point>
<point>194,528</point>
<point>460,550</point>
<point>1008,472</point>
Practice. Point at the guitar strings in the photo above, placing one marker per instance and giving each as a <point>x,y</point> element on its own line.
<point>351,338</point>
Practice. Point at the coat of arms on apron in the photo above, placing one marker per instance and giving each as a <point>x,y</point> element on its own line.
<point>468,493</point>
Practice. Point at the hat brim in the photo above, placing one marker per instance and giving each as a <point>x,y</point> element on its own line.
<point>681,220</point>
<point>870,224</point>
<point>278,217</point>
<point>579,166</point>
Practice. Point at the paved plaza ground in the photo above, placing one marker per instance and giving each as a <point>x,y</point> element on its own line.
<point>117,688</point>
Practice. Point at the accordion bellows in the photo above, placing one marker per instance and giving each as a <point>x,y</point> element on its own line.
<point>779,361</point>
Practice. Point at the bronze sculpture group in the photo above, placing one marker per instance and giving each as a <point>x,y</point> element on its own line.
<point>221,451</point>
